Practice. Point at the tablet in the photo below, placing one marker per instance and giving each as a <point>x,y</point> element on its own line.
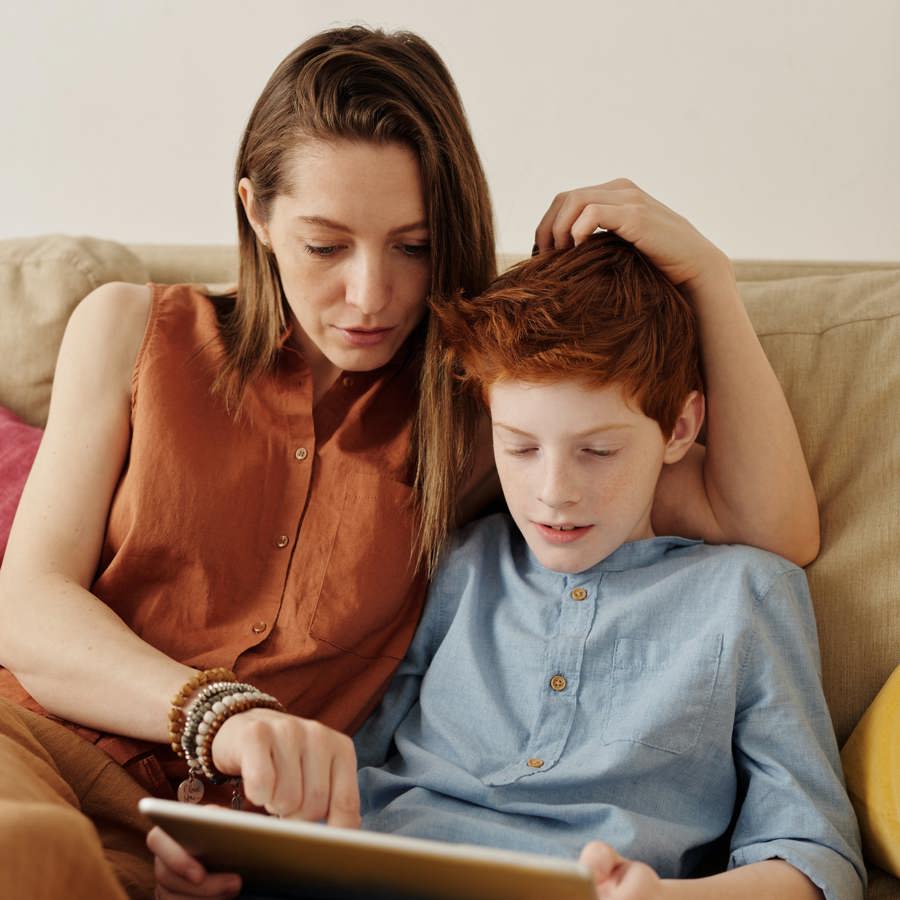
<point>287,858</point>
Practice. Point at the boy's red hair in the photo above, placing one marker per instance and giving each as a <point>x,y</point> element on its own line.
<point>599,312</point>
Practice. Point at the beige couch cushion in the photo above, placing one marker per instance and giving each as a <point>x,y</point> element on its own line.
<point>834,342</point>
<point>41,281</point>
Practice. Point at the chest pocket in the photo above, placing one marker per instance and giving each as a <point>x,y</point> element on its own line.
<point>371,598</point>
<point>660,692</point>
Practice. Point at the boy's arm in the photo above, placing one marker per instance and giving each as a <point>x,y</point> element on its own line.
<point>622,879</point>
<point>792,804</point>
<point>750,485</point>
<point>794,834</point>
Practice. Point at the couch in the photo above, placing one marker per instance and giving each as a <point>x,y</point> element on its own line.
<point>831,331</point>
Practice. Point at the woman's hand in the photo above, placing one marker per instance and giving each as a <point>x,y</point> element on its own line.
<point>618,878</point>
<point>292,767</point>
<point>667,239</point>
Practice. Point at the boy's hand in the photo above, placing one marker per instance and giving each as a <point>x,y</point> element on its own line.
<point>667,239</point>
<point>618,878</point>
<point>292,767</point>
<point>179,875</point>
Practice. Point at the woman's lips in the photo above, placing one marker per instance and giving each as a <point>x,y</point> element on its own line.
<point>557,536</point>
<point>364,337</point>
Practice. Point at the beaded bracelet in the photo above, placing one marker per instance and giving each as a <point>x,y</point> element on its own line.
<point>177,713</point>
<point>204,701</point>
<point>215,719</point>
<point>200,722</point>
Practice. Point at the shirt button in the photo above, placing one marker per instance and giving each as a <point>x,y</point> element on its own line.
<point>259,627</point>
<point>558,683</point>
<point>282,541</point>
<point>534,763</point>
<point>347,381</point>
<point>578,594</point>
<point>301,453</point>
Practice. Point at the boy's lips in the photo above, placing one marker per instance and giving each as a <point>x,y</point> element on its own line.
<point>563,533</point>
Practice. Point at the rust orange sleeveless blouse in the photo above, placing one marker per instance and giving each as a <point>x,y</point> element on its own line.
<point>278,545</point>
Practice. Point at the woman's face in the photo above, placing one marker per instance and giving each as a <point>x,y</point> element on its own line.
<point>352,243</point>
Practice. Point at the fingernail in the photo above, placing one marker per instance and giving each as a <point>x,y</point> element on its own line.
<point>196,874</point>
<point>534,250</point>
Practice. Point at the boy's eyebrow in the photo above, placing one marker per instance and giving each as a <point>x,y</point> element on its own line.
<point>614,426</point>
<point>337,226</point>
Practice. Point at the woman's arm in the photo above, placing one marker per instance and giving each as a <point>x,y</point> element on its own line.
<point>66,647</point>
<point>750,484</point>
<point>71,651</point>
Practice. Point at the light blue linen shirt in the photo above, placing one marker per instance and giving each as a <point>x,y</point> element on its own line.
<point>667,701</point>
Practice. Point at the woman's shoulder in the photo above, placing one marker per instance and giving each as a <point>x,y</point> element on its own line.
<point>116,301</point>
<point>106,328</point>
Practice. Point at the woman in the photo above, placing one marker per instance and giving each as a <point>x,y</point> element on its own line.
<point>262,481</point>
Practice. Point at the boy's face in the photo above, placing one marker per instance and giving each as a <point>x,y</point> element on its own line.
<point>578,465</point>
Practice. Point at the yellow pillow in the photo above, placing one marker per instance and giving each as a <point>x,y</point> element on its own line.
<point>871,759</point>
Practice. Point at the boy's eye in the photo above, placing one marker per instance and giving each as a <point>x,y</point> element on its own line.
<point>601,453</point>
<point>315,250</point>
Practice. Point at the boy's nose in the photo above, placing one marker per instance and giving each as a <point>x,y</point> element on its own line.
<point>558,488</point>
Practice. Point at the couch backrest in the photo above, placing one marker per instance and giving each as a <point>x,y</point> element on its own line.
<point>831,331</point>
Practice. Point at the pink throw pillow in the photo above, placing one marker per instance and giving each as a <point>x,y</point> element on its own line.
<point>18,446</point>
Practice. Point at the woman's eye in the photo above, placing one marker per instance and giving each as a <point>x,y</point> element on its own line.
<point>315,250</point>
<point>521,451</point>
<point>600,453</point>
<point>416,249</point>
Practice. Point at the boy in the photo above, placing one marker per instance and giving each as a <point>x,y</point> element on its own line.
<point>578,685</point>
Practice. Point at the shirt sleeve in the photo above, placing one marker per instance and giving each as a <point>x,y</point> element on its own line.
<point>375,738</point>
<point>792,804</point>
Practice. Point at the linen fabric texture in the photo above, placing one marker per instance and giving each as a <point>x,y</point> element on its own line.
<point>667,701</point>
<point>69,816</point>
<point>277,545</point>
<point>42,279</point>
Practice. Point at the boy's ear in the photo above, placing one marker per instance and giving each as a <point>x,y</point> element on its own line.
<point>687,427</point>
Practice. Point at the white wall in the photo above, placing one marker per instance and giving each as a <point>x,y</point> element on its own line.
<point>773,125</point>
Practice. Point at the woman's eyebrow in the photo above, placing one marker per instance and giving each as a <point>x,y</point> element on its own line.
<point>338,226</point>
<point>321,220</point>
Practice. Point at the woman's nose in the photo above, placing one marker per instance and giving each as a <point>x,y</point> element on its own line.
<point>368,289</point>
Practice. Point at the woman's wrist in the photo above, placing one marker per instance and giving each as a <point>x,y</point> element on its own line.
<point>199,709</point>
<point>715,278</point>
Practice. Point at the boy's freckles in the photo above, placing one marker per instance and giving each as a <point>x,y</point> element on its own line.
<point>578,465</point>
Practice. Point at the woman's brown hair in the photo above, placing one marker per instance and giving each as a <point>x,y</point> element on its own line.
<point>358,83</point>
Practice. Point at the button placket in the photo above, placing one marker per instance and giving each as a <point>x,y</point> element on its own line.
<point>564,661</point>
